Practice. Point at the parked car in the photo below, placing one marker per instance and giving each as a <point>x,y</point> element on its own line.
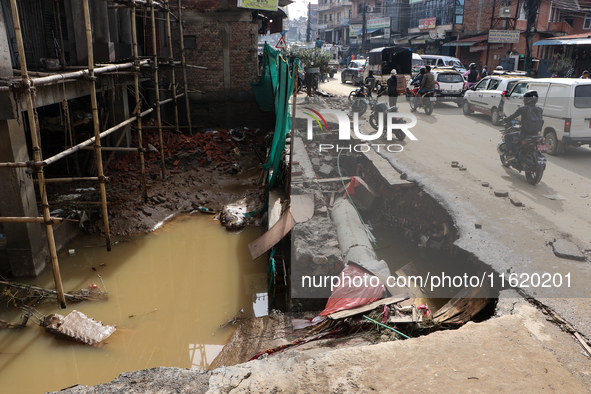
<point>566,103</point>
<point>354,71</point>
<point>449,85</point>
<point>488,95</point>
<point>443,61</point>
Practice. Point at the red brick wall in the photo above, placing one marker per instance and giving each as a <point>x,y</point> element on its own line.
<point>471,15</point>
<point>214,105</point>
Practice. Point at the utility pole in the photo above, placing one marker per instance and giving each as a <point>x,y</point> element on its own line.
<point>363,28</point>
<point>531,11</point>
<point>309,25</point>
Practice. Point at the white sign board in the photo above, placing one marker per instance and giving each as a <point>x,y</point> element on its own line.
<point>504,36</point>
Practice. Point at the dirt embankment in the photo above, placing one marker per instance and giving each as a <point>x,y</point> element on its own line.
<point>210,169</point>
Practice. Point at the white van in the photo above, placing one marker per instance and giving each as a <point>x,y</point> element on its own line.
<point>417,63</point>
<point>566,103</point>
<point>443,61</point>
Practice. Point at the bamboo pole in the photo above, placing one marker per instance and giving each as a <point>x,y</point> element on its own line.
<point>91,140</point>
<point>168,101</point>
<point>113,149</point>
<point>17,164</point>
<point>184,65</point>
<point>73,179</point>
<point>52,220</point>
<point>138,100</point>
<point>157,88</point>
<point>55,78</point>
<point>95,121</point>
<point>33,127</point>
<point>171,59</point>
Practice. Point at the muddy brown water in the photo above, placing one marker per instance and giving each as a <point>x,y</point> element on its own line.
<point>169,293</point>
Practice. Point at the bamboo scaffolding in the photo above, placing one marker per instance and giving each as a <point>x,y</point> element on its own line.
<point>91,140</point>
<point>35,138</point>
<point>95,121</point>
<point>171,60</point>
<point>138,100</point>
<point>157,88</point>
<point>17,164</point>
<point>73,179</point>
<point>184,64</point>
<point>168,101</point>
<point>115,149</point>
<point>52,220</point>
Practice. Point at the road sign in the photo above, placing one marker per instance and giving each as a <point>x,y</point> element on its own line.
<point>281,43</point>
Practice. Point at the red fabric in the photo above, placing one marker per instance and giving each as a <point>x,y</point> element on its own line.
<point>349,294</point>
<point>355,182</point>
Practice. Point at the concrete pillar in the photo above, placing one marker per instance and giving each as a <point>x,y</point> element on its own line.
<point>104,49</point>
<point>25,243</point>
<point>76,32</point>
<point>125,39</point>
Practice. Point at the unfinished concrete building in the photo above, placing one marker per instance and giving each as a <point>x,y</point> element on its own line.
<point>83,79</point>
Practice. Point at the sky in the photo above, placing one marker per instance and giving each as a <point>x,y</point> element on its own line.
<point>299,8</point>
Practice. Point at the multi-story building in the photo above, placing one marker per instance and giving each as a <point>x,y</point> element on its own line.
<point>385,20</point>
<point>461,27</point>
<point>333,21</point>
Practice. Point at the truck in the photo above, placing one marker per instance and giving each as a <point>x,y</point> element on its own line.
<point>382,60</point>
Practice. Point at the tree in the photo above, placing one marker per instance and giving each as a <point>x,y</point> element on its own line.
<point>561,65</point>
<point>531,8</point>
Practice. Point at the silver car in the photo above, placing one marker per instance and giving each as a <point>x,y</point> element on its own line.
<point>488,95</point>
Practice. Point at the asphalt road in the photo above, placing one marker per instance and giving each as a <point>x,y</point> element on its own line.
<point>513,239</point>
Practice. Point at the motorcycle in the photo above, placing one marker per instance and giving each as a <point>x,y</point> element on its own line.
<point>528,155</point>
<point>380,110</point>
<point>426,102</point>
<point>360,99</point>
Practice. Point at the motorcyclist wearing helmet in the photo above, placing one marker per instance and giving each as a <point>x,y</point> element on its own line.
<point>370,82</point>
<point>471,75</point>
<point>419,77</point>
<point>427,84</point>
<point>531,120</point>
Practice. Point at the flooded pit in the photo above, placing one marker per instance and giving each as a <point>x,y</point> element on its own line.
<point>169,292</point>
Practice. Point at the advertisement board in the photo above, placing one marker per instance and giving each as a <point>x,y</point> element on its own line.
<point>504,36</point>
<point>428,23</point>
<point>355,29</point>
<point>267,5</point>
<point>378,23</point>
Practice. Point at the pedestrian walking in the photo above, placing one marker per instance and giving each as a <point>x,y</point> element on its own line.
<point>393,88</point>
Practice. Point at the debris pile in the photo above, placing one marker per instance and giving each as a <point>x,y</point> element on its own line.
<point>78,327</point>
<point>220,148</point>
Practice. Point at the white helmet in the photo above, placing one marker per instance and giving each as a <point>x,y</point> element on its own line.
<point>499,67</point>
<point>393,72</point>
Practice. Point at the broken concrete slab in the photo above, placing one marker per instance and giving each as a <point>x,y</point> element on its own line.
<point>556,197</point>
<point>501,193</point>
<point>78,327</point>
<point>568,250</point>
<point>516,202</point>
<point>325,170</point>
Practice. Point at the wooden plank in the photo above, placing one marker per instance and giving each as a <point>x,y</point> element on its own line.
<point>410,270</point>
<point>331,199</point>
<point>368,307</point>
<point>269,239</point>
<point>345,178</point>
<point>463,306</point>
<point>302,207</point>
<point>583,343</point>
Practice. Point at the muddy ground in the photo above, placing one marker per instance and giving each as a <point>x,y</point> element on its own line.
<point>210,170</point>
